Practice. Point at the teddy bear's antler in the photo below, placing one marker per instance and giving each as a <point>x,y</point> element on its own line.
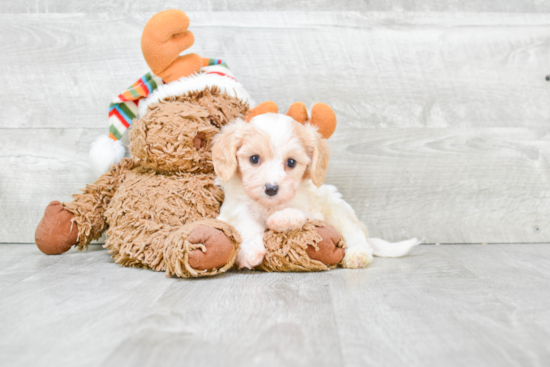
<point>165,35</point>
<point>322,116</point>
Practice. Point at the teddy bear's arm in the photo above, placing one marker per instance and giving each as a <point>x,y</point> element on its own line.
<point>82,220</point>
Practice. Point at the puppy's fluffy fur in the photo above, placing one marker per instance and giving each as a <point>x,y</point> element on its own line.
<point>275,139</point>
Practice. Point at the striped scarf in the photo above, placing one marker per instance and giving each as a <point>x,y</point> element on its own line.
<point>124,108</point>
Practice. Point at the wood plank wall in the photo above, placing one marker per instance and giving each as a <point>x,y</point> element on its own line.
<point>444,110</point>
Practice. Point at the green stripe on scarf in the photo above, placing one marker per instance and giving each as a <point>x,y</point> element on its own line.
<point>126,110</point>
<point>115,132</point>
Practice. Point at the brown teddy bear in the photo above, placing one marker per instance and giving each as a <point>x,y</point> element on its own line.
<point>159,207</point>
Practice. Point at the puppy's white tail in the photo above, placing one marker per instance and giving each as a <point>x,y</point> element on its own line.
<point>386,249</point>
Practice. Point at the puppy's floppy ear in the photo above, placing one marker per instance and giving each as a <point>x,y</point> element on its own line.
<point>224,150</point>
<point>319,153</point>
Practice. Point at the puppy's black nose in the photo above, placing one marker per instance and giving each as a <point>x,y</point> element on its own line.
<point>271,190</point>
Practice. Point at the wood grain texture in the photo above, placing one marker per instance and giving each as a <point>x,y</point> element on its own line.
<point>375,69</point>
<point>443,118</point>
<point>441,306</point>
<point>457,185</point>
<point>39,166</point>
<point>126,6</point>
<point>443,185</point>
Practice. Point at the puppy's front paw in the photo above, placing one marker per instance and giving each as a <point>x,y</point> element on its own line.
<point>357,257</point>
<point>250,256</point>
<point>286,220</point>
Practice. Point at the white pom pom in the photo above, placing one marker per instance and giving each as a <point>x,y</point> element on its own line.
<point>104,152</point>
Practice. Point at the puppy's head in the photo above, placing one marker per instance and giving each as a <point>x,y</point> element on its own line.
<point>271,155</point>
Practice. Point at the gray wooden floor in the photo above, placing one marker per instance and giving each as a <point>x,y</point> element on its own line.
<point>454,305</point>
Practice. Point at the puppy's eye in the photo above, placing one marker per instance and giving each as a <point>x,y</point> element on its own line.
<point>255,159</point>
<point>291,163</point>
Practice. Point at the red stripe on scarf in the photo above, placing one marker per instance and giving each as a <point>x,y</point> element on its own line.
<point>118,116</point>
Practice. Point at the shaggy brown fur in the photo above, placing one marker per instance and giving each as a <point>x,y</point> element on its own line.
<point>89,207</point>
<point>221,107</point>
<point>165,139</point>
<point>174,200</point>
<point>148,207</point>
<point>165,248</point>
<point>287,251</point>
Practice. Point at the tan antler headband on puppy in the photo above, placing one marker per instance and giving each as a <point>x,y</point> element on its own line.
<point>322,115</point>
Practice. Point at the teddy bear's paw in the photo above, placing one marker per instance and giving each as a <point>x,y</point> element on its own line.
<point>218,248</point>
<point>250,256</point>
<point>327,252</point>
<point>357,257</point>
<point>286,220</point>
<point>56,233</point>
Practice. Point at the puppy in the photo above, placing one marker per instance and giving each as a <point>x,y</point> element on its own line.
<point>272,171</point>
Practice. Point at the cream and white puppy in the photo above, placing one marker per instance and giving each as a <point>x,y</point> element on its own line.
<point>272,171</point>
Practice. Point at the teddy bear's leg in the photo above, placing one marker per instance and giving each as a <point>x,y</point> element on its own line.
<point>56,232</point>
<point>327,251</point>
<point>315,247</point>
<point>218,248</point>
<point>202,248</point>
<point>82,220</point>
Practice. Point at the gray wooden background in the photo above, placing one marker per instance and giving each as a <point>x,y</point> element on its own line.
<point>443,107</point>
